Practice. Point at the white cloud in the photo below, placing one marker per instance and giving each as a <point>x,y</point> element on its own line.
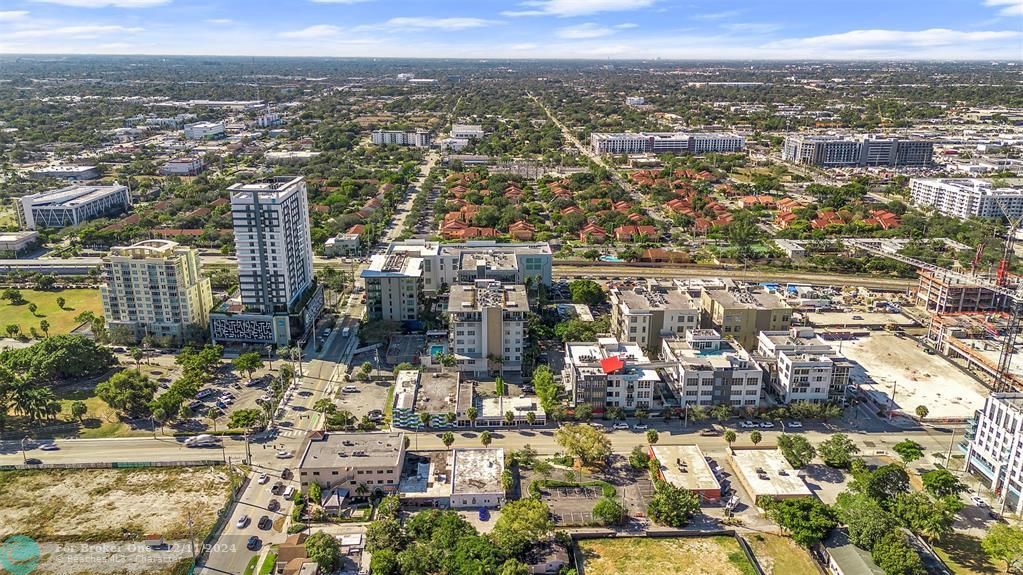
<point>716,15</point>
<point>881,39</point>
<point>752,27</point>
<point>220,21</point>
<point>523,47</point>
<point>427,23</point>
<point>626,25</point>
<point>1007,7</point>
<point>8,15</point>
<point>82,32</point>
<point>317,31</point>
<point>107,3</point>
<point>566,8</point>
<point>581,31</point>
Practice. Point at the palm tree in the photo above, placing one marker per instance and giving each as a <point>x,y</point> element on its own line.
<point>447,360</point>
<point>361,490</point>
<point>212,414</point>
<point>450,417</point>
<point>448,438</point>
<point>160,415</point>
<point>755,437</point>
<point>531,417</point>
<point>472,413</point>
<point>509,417</point>
<point>424,420</point>
<point>730,437</point>
<point>641,414</point>
<point>137,354</point>
<point>486,439</point>
<point>45,327</point>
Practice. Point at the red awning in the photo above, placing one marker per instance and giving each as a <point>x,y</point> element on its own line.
<point>612,364</point>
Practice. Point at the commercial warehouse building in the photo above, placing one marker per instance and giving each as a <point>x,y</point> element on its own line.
<point>766,473</point>
<point>686,467</point>
<point>71,205</point>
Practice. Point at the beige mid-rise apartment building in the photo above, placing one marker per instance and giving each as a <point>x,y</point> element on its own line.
<point>362,463</point>
<point>487,331</point>
<point>155,288</point>
<point>645,314</point>
<point>741,312</point>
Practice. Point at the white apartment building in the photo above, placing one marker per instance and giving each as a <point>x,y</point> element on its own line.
<point>843,151</point>
<point>272,242</point>
<point>967,197</point>
<point>665,143</point>
<point>644,315</point>
<point>449,263</point>
<point>393,282</point>
<point>418,138</point>
<point>358,462</point>
<point>708,370</point>
<point>188,166</point>
<point>70,173</point>
<point>487,328</point>
<point>204,130</point>
<point>608,373</point>
<point>467,131</point>
<point>71,205</point>
<point>155,288</point>
<point>802,367</point>
<point>635,100</point>
<point>996,447</point>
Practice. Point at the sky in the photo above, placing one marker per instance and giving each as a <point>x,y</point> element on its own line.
<point>592,29</point>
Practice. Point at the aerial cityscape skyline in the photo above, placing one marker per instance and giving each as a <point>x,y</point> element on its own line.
<point>599,29</point>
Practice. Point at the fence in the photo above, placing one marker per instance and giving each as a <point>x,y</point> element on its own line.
<point>114,465</point>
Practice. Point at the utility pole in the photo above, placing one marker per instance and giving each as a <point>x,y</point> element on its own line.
<point>248,452</point>
<point>951,442</point>
<point>23,456</point>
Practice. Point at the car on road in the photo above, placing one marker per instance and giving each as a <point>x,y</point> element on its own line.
<point>253,543</point>
<point>639,426</point>
<point>857,317</point>
<point>747,425</point>
<point>326,333</point>
<point>33,461</point>
<point>620,425</point>
<point>766,425</point>
<point>265,522</point>
<point>709,433</point>
<point>283,454</point>
<point>795,425</point>
<point>599,426</point>
<point>274,505</point>
<point>49,447</point>
<point>243,521</point>
<point>977,501</point>
<point>263,478</point>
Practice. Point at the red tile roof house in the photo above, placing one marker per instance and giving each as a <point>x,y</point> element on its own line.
<point>827,218</point>
<point>522,231</point>
<point>592,233</point>
<point>785,219</point>
<point>883,219</point>
<point>628,233</point>
<point>570,210</point>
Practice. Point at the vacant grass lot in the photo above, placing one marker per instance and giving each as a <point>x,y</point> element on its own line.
<point>61,320</point>
<point>97,505</point>
<point>780,555</point>
<point>964,556</point>
<point>684,556</point>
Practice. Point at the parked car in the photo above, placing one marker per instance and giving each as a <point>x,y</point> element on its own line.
<point>49,447</point>
<point>263,478</point>
<point>349,389</point>
<point>599,426</point>
<point>243,521</point>
<point>639,426</point>
<point>977,501</point>
<point>620,425</point>
<point>766,424</point>
<point>795,425</point>
<point>277,488</point>
<point>274,505</point>
<point>253,543</point>
<point>286,474</point>
<point>484,514</point>
<point>747,425</point>
<point>283,454</point>
<point>33,461</point>
<point>265,522</point>
<point>288,491</point>
<point>709,432</point>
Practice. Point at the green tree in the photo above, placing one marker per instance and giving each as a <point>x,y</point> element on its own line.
<point>837,451</point>
<point>721,412</point>
<point>472,414</point>
<point>865,519</point>
<point>895,557</point>
<point>128,392</point>
<point>608,511</point>
<point>586,292</point>
<point>385,534</point>
<point>521,523</point>
<point>922,411</point>
<point>942,483</point>
<point>78,410</point>
<point>672,506</point>
<point>32,308</point>
<point>60,302</point>
<point>730,437</point>
<point>1004,543</point>
<point>931,518</point>
<point>590,445</point>
<point>908,450</point>
<point>137,355</point>
<point>796,449</point>
<point>385,562</point>
<point>248,363</point>
<point>652,436</point>
<point>245,418</point>
<point>583,412</point>
<point>755,438</point>
<point>882,484</point>
<point>486,438</point>
<point>448,438</point>
<point>44,326</point>
<point>546,390</point>
<point>324,405</point>
<point>806,519</point>
<point>324,549</point>
<point>638,458</point>
<point>514,567</point>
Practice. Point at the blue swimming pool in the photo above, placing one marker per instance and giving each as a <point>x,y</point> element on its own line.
<point>610,259</point>
<point>436,350</point>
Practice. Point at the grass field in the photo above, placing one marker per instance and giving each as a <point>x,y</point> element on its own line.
<point>780,555</point>
<point>61,320</point>
<point>964,556</point>
<point>685,556</point>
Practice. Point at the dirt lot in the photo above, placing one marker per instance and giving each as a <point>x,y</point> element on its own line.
<point>780,555</point>
<point>100,505</point>
<point>692,556</point>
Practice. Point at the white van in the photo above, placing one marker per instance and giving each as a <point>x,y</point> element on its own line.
<point>289,492</point>
<point>346,331</point>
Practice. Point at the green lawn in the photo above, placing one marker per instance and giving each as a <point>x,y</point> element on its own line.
<point>656,556</point>
<point>780,555</point>
<point>250,569</point>
<point>964,556</point>
<point>269,563</point>
<point>61,320</point>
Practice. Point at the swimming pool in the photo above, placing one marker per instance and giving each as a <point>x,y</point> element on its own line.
<point>610,259</point>
<point>436,349</point>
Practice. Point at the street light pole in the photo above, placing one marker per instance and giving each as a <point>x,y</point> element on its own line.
<point>23,456</point>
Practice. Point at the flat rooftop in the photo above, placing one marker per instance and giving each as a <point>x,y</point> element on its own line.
<point>766,472</point>
<point>426,474</point>
<point>394,265</point>
<point>270,187</point>
<point>486,295</point>
<point>748,298</point>
<point>685,466</point>
<point>477,471</point>
<point>437,393</point>
<point>499,261</point>
<point>72,195</point>
<point>354,450</point>
<point>639,298</point>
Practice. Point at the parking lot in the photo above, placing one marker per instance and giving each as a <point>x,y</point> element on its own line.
<point>370,395</point>
<point>573,506</point>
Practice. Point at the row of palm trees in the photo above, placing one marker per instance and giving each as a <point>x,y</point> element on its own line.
<point>22,395</point>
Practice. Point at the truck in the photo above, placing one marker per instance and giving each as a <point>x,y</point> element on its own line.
<point>202,440</point>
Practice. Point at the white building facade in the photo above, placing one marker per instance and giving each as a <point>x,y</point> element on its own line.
<point>155,288</point>
<point>842,151</point>
<point>610,374</point>
<point>487,328</point>
<point>393,283</point>
<point>708,370</point>
<point>967,198</point>
<point>644,315</point>
<point>417,138</point>
<point>204,130</point>
<point>71,205</point>
<point>996,447</point>
<point>665,143</point>
<point>802,367</point>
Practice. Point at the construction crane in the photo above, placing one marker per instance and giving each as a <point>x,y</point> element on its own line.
<point>1002,276</point>
<point>1013,300</point>
<point>976,258</point>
